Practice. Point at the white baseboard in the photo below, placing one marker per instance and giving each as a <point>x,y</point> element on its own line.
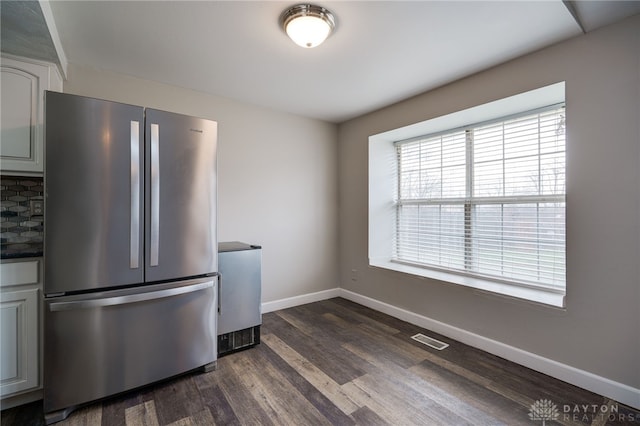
<point>300,300</point>
<point>617,391</point>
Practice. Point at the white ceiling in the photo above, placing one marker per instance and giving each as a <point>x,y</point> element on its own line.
<point>380,53</point>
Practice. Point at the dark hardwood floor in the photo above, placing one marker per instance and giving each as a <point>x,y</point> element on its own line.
<point>338,363</point>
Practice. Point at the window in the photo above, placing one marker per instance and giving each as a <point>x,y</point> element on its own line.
<point>486,200</point>
<point>481,205</point>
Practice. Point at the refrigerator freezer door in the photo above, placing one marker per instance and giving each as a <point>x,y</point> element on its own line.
<point>93,185</point>
<point>112,341</point>
<point>181,196</point>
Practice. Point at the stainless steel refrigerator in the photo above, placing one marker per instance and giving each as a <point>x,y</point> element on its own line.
<point>130,250</point>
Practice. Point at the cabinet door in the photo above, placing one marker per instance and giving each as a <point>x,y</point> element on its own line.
<point>19,341</point>
<point>23,85</point>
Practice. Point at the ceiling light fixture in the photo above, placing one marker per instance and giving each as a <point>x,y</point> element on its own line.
<point>307,25</point>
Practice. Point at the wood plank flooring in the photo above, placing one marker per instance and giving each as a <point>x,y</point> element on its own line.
<point>338,363</point>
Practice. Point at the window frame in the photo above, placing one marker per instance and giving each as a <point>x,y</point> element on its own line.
<point>470,201</point>
<point>384,191</point>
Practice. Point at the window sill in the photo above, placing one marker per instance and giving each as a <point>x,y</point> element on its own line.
<point>541,296</point>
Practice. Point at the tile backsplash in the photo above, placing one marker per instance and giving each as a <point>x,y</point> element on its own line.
<point>21,216</point>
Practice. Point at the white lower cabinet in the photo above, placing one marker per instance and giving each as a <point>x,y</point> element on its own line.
<point>20,332</point>
<point>19,340</point>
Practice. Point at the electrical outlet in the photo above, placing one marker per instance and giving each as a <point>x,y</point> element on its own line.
<point>37,207</point>
<point>354,275</point>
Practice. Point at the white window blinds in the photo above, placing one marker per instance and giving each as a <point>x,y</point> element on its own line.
<point>486,200</point>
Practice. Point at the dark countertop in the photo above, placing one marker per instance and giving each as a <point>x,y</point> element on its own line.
<point>12,253</point>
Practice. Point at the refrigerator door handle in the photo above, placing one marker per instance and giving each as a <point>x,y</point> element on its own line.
<point>126,299</point>
<point>155,194</point>
<point>134,239</point>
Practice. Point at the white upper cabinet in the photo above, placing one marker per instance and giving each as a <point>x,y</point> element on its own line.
<point>22,138</point>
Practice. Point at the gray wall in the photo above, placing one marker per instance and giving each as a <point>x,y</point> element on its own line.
<point>277,178</point>
<point>599,330</point>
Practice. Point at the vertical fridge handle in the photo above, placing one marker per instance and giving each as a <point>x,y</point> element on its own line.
<point>134,237</point>
<point>155,194</point>
<point>219,294</point>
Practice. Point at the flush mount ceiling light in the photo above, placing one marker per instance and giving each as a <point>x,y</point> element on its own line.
<point>307,25</point>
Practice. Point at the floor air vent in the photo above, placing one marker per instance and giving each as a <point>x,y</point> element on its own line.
<point>430,341</point>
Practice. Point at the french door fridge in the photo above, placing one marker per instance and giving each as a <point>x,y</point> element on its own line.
<point>130,250</point>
